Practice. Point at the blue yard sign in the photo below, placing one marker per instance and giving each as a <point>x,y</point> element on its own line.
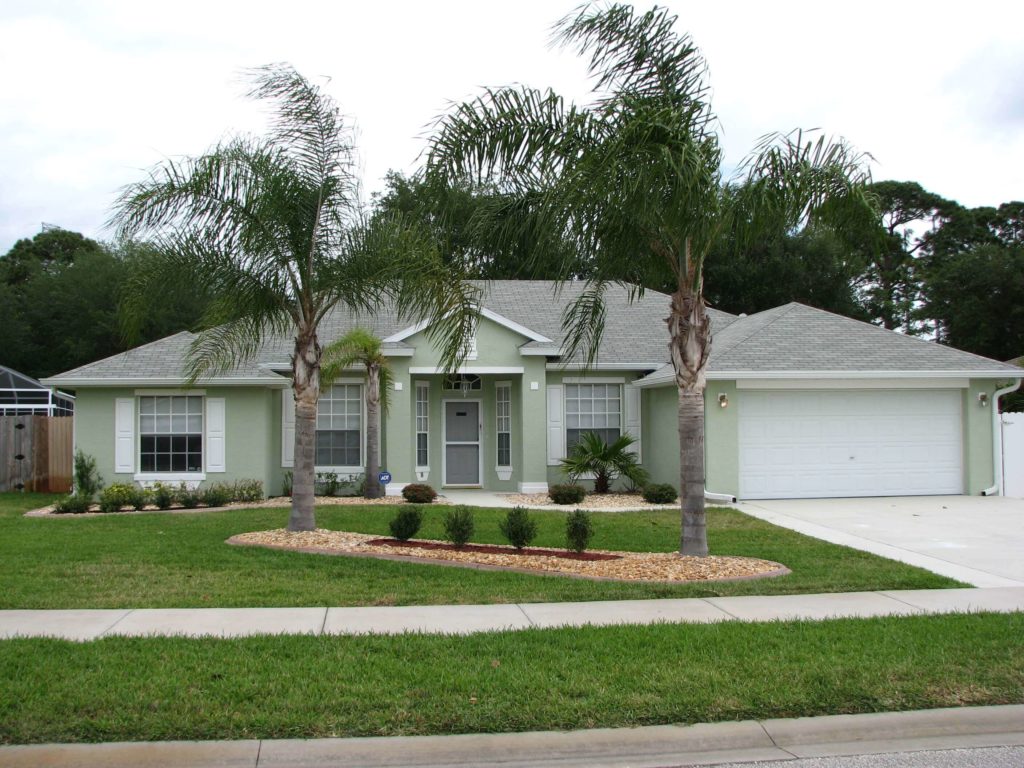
<point>384,477</point>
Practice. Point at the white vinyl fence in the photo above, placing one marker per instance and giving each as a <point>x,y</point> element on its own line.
<point>1013,454</point>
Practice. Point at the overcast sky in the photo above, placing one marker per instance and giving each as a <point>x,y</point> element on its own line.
<point>94,92</point>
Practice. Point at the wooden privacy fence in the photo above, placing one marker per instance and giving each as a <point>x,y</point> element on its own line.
<point>35,453</point>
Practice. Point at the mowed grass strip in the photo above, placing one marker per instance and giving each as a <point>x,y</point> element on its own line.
<point>278,687</point>
<point>165,560</point>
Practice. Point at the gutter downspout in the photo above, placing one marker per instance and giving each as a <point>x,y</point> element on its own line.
<point>725,497</point>
<point>997,441</point>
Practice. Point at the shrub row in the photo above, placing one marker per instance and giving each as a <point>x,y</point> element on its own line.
<point>517,526</point>
<point>118,496</point>
<point>655,493</point>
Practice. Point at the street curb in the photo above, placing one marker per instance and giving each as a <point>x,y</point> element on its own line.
<point>644,747</point>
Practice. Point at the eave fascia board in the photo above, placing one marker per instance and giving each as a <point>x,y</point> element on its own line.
<point>480,370</point>
<point>666,381</point>
<point>219,381</point>
<point>648,366</point>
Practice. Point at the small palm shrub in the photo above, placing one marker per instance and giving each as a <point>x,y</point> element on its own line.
<point>407,522</point>
<point>75,504</point>
<point>286,484</point>
<point>217,495</point>
<point>87,480</point>
<point>418,493</point>
<point>518,528</point>
<point>162,495</point>
<point>578,530</point>
<point>247,490</point>
<point>116,496</point>
<point>567,493</point>
<point>458,525</point>
<point>605,461</point>
<point>660,493</point>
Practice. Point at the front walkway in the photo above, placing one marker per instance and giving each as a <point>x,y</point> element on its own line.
<point>466,619</point>
<point>975,539</point>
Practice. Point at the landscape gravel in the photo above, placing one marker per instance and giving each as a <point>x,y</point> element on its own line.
<point>629,566</point>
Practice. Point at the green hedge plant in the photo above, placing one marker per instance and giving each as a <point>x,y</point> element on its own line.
<point>518,528</point>
<point>660,493</point>
<point>578,531</point>
<point>117,496</point>
<point>419,493</point>
<point>406,523</point>
<point>75,504</point>
<point>566,493</point>
<point>458,525</point>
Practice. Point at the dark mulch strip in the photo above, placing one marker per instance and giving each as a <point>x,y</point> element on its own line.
<point>491,550</point>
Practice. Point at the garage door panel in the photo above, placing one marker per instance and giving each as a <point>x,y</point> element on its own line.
<point>809,444</point>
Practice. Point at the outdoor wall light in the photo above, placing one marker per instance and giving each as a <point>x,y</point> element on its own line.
<point>983,399</point>
<point>723,400</point>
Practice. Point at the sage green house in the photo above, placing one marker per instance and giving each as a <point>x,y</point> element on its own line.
<point>800,403</point>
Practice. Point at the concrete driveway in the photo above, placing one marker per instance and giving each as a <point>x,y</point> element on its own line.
<point>976,539</point>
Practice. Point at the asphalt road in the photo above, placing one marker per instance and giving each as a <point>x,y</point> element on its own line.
<point>989,757</point>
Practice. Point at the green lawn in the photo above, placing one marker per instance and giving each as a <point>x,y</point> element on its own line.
<point>289,687</point>
<point>181,560</point>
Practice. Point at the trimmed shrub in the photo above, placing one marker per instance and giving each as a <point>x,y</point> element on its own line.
<point>87,480</point>
<point>566,493</point>
<point>141,499</point>
<point>660,493</point>
<point>75,504</point>
<point>458,525</point>
<point>163,496</point>
<point>217,495</point>
<point>418,493</point>
<point>578,530</point>
<point>407,522</point>
<point>186,497</point>
<point>116,496</point>
<point>247,490</point>
<point>518,528</point>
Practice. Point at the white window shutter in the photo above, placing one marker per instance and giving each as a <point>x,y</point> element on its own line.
<point>556,425</point>
<point>632,417</point>
<point>287,428</point>
<point>124,434</point>
<point>216,453</point>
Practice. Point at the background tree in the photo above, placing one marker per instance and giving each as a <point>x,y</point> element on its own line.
<point>632,184</point>
<point>361,349</point>
<point>274,228</point>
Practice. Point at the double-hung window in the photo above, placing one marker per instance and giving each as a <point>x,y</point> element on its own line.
<point>171,433</point>
<point>592,408</point>
<point>339,422</point>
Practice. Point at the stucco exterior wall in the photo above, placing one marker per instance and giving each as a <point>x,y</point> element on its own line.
<point>250,445</point>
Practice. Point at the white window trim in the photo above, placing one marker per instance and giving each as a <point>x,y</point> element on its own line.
<point>362,434</point>
<point>421,386</point>
<point>190,479</point>
<point>572,380</point>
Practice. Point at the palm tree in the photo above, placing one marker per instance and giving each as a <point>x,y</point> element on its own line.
<point>359,347</point>
<point>274,230</point>
<point>633,183</point>
<point>605,461</point>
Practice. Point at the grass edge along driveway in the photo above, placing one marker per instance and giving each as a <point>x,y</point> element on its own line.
<point>159,560</point>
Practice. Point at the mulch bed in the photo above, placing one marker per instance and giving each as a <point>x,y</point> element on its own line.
<point>488,549</point>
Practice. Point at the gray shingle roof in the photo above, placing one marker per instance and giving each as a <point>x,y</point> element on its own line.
<point>800,340</point>
<point>789,339</point>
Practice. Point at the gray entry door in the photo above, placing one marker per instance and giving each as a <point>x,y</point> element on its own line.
<point>462,442</point>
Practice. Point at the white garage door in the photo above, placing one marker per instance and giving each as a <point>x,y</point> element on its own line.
<point>815,444</point>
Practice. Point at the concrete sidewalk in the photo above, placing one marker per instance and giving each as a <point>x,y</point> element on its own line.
<point>647,747</point>
<point>467,619</point>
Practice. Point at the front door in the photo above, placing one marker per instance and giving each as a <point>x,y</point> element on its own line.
<point>462,442</point>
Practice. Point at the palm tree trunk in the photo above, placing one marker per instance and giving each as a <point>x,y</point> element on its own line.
<point>373,487</point>
<point>694,540</point>
<point>690,345</point>
<point>306,385</point>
